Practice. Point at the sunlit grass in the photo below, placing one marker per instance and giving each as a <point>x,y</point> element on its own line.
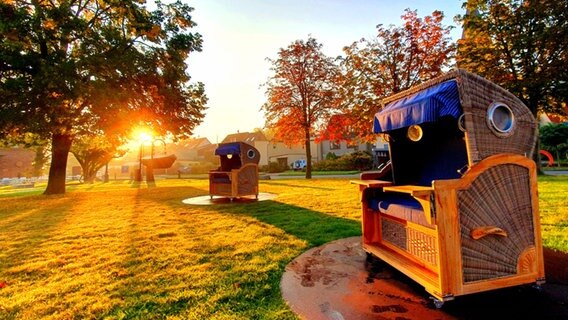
<point>553,206</point>
<point>123,251</point>
<point>118,251</point>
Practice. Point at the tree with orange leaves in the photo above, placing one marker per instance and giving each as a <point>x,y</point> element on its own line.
<point>397,59</point>
<point>302,94</point>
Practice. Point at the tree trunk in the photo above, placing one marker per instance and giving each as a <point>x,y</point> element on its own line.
<point>90,168</point>
<point>150,174</point>
<point>308,156</point>
<point>60,146</point>
<point>89,177</point>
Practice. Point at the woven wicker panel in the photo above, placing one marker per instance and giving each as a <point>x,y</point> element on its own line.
<point>499,197</point>
<point>248,181</point>
<point>477,95</point>
<point>422,246</point>
<point>394,233</point>
<point>220,188</point>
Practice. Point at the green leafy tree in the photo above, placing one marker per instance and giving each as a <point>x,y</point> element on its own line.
<point>302,94</point>
<point>397,59</point>
<point>67,67</point>
<point>93,153</point>
<point>521,45</point>
<point>554,137</point>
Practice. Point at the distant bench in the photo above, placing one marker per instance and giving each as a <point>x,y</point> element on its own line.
<point>23,185</point>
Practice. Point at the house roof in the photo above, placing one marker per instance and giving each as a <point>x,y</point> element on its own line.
<point>554,117</point>
<point>195,143</point>
<point>248,137</point>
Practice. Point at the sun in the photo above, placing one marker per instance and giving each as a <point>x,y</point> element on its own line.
<point>141,135</point>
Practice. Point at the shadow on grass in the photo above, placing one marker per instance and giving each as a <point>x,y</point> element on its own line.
<point>26,227</point>
<point>289,185</point>
<point>314,227</point>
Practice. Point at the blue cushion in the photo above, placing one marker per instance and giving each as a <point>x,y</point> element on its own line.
<point>398,199</point>
<point>220,179</point>
<point>399,205</point>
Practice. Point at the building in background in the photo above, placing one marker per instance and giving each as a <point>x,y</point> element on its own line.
<point>16,162</point>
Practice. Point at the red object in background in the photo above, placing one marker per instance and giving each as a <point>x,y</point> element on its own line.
<point>3,284</point>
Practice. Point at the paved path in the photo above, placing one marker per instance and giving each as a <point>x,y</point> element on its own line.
<point>334,282</point>
<point>556,173</point>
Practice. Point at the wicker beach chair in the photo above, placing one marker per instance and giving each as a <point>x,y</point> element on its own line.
<point>459,214</point>
<point>238,174</point>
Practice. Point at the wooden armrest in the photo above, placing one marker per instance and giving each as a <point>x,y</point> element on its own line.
<point>480,232</point>
<point>219,173</point>
<point>372,183</point>
<point>415,191</point>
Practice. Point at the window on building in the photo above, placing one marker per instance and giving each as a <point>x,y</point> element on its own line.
<point>353,145</point>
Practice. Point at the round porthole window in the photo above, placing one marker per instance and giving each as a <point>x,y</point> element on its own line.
<point>251,154</point>
<point>414,133</point>
<point>501,119</point>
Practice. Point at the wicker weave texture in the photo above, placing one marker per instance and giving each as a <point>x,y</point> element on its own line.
<point>499,197</point>
<point>477,95</point>
<point>394,233</point>
<point>248,181</point>
<point>422,246</point>
<point>415,242</point>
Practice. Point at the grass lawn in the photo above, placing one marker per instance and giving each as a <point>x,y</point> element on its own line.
<point>118,251</point>
<point>299,173</point>
<point>553,208</point>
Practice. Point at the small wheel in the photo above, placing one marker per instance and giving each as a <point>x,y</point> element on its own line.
<point>369,258</point>
<point>537,287</point>
<point>437,303</point>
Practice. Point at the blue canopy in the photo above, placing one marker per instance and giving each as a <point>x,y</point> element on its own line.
<point>228,148</point>
<point>425,106</point>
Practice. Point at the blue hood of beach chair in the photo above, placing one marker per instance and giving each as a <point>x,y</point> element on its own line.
<point>427,105</point>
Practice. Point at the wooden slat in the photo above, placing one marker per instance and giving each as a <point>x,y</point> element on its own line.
<point>415,191</point>
<point>371,183</point>
<point>423,276</point>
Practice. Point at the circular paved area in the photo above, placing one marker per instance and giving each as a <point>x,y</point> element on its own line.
<point>207,200</point>
<point>333,281</point>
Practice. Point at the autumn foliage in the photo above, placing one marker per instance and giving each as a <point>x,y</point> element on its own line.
<point>397,59</point>
<point>302,93</point>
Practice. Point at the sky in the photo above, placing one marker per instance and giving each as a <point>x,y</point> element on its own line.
<point>239,36</point>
